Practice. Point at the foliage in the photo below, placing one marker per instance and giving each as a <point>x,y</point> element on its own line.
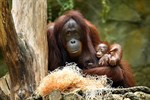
<point>58,7</point>
<point>105,9</point>
<point>68,5</point>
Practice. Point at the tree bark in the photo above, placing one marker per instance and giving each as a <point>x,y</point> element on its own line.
<point>24,44</point>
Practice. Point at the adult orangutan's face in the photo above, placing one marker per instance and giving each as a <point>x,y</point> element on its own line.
<point>72,38</point>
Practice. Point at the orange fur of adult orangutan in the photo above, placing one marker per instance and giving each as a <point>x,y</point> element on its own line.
<point>72,38</point>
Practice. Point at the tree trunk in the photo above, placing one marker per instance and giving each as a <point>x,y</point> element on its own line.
<point>24,42</point>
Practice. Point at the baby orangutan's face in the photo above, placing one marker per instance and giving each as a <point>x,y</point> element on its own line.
<point>101,50</point>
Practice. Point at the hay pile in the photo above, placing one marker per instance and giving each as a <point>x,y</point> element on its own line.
<point>70,78</point>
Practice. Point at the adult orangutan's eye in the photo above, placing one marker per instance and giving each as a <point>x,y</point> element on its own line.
<point>68,34</point>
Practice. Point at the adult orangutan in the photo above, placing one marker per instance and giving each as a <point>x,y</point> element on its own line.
<point>72,38</point>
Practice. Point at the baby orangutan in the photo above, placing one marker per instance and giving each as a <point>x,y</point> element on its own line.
<point>102,52</point>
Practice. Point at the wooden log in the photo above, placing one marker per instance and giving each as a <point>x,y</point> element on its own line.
<point>24,44</point>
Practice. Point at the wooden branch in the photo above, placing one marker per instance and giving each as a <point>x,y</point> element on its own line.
<point>25,49</point>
